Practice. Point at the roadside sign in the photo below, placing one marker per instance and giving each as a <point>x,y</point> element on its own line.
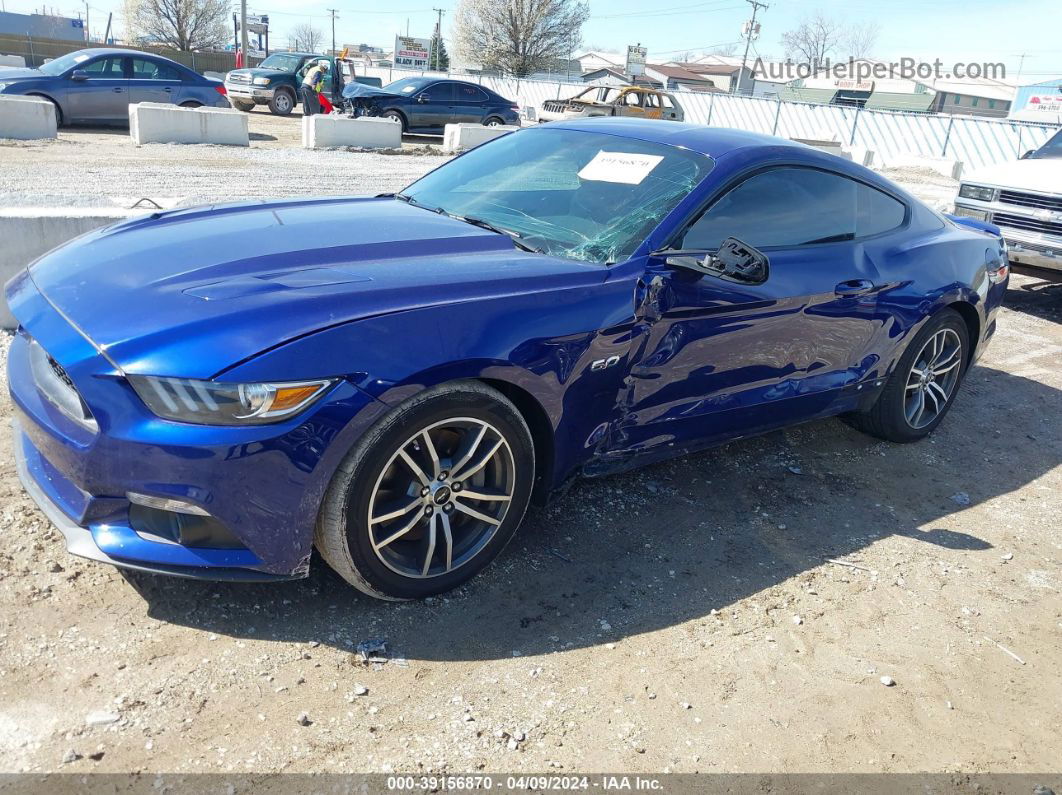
<point>636,60</point>
<point>412,53</point>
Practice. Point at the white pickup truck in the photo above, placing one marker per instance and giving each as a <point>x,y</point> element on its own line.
<point>1024,199</point>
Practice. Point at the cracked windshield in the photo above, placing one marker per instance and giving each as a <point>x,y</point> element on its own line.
<point>584,196</point>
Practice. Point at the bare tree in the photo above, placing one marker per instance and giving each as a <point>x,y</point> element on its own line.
<point>307,38</point>
<point>813,40</point>
<point>517,37</point>
<point>858,40</point>
<point>819,37</point>
<point>724,49</point>
<point>181,24</point>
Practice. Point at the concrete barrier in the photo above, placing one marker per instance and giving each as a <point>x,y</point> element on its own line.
<point>27,118</point>
<point>14,61</point>
<point>324,132</point>
<point>29,232</point>
<point>458,137</point>
<point>941,165</point>
<point>156,122</point>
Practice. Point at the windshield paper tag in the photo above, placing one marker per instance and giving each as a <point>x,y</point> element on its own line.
<point>623,167</point>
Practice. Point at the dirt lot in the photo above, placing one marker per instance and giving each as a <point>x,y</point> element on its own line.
<point>683,618</point>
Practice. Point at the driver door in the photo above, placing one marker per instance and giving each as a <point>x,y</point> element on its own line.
<point>723,358</point>
<point>104,95</point>
<point>432,108</point>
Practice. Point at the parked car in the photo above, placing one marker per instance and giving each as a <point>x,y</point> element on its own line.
<point>275,82</point>
<point>1024,199</point>
<point>574,298</point>
<point>428,104</point>
<point>636,101</point>
<point>98,85</point>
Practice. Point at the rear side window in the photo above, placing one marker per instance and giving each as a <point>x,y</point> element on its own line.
<point>469,93</point>
<point>787,207</point>
<point>152,70</point>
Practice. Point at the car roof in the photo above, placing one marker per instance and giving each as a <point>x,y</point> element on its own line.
<point>125,51</point>
<point>712,141</point>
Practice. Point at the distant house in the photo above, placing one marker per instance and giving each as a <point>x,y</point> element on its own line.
<point>616,77</point>
<point>592,60</point>
<point>42,26</point>
<point>1039,102</point>
<point>681,78</point>
<point>966,97</point>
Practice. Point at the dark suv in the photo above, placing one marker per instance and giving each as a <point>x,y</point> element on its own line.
<point>428,104</point>
<point>275,82</point>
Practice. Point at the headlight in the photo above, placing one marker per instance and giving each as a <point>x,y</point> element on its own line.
<point>3,86</point>
<point>213,403</point>
<point>261,81</point>
<point>977,192</point>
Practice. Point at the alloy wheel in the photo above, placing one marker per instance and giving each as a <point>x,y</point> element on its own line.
<point>441,497</point>
<point>283,102</point>
<point>933,378</point>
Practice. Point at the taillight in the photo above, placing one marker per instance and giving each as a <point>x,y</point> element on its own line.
<point>221,90</point>
<point>514,107</point>
<point>997,264</point>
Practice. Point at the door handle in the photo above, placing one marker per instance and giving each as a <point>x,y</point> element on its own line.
<point>117,89</point>
<point>167,89</point>
<point>854,287</point>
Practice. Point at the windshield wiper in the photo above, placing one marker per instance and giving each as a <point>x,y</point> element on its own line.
<point>410,200</point>
<point>520,244</point>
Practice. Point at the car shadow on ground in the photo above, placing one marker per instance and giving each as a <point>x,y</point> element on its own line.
<point>638,552</point>
<point>1038,293</point>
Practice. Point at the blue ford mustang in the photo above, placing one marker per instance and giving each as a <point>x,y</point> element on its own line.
<point>394,379</point>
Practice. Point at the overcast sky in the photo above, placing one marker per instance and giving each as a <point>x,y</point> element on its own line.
<point>953,30</point>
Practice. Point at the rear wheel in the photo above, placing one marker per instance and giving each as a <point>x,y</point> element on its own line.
<point>493,121</point>
<point>239,104</point>
<point>922,388</point>
<point>282,103</point>
<point>191,104</point>
<point>430,495</point>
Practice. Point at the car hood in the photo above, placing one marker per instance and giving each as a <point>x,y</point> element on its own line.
<point>21,74</point>
<point>1036,174</point>
<point>259,72</point>
<point>192,292</point>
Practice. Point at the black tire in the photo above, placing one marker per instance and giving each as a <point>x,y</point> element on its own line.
<point>491,121</point>
<point>888,418</point>
<point>351,544</point>
<point>282,103</point>
<point>191,104</point>
<point>246,107</point>
<point>394,114</point>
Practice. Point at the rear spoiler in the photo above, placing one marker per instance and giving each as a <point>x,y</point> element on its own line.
<point>973,223</point>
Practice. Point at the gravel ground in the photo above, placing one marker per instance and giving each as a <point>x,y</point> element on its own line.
<point>684,617</point>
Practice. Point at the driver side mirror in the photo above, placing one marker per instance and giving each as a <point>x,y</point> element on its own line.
<point>79,75</point>
<point>734,261</point>
<point>422,98</point>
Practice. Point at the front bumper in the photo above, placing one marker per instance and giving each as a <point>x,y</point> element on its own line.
<point>248,93</point>
<point>261,484</point>
<point>1034,249</point>
<point>82,541</point>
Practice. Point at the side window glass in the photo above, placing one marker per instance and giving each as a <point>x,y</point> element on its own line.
<point>632,98</point>
<point>150,70</point>
<point>772,209</point>
<point>666,101</point>
<point>441,92</point>
<point>876,212</point>
<point>469,93</point>
<point>652,100</point>
<point>108,68</point>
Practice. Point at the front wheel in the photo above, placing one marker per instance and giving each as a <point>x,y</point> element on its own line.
<point>922,388</point>
<point>430,495</point>
<point>239,104</point>
<point>282,103</point>
<point>394,115</point>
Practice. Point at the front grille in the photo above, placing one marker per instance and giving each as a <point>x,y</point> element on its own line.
<point>1017,248</point>
<point>1051,228</point>
<point>56,385</point>
<point>554,105</point>
<point>237,78</point>
<point>1035,200</point>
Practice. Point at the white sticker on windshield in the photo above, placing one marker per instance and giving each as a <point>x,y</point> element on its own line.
<point>627,168</point>
<point>80,58</point>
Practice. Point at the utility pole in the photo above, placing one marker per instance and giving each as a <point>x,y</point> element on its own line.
<point>437,44</point>
<point>1021,64</point>
<point>243,31</point>
<point>332,11</point>
<point>87,35</point>
<point>756,6</point>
